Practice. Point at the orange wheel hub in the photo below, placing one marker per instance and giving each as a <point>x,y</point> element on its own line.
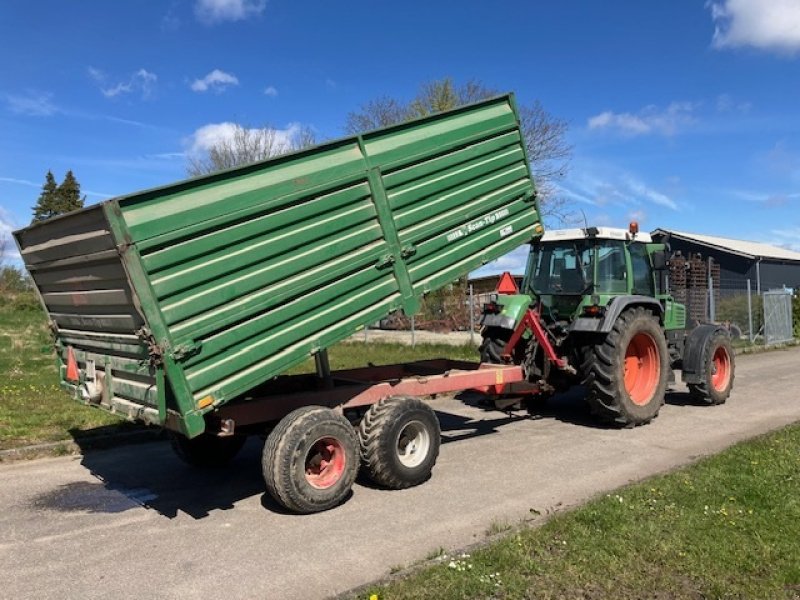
<point>721,369</point>
<point>642,369</point>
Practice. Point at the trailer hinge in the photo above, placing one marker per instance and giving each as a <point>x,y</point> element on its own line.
<point>385,261</point>
<point>123,248</point>
<point>185,350</point>
<point>154,350</point>
<point>410,250</point>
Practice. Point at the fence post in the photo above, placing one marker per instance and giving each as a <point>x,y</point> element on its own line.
<point>366,333</point>
<point>471,316</point>
<point>712,316</point>
<point>413,333</point>
<point>750,313</point>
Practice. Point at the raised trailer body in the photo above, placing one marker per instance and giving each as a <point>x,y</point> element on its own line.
<point>170,304</point>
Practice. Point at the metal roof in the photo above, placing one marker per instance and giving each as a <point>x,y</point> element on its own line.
<point>603,233</point>
<point>741,247</point>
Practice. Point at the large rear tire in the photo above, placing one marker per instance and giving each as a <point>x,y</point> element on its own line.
<point>626,373</point>
<point>400,439</point>
<point>493,343</point>
<point>206,450</point>
<point>310,459</point>
<point>718,369</point>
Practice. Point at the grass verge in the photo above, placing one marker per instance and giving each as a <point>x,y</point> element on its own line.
<point>726,527</point>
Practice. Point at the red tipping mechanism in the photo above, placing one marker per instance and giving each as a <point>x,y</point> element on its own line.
<point>530,320</point>
<point>507,285</point>
<point>72,366</point>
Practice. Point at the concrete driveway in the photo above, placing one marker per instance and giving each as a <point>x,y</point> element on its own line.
<point>136,522</point>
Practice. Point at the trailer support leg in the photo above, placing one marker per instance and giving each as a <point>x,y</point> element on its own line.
<point>323,368</point>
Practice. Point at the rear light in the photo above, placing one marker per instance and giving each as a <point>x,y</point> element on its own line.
<point>593,310</point>
<point>491,307</point>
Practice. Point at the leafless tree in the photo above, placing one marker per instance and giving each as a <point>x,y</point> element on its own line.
<point>545,134</point>
<point>243,146</point>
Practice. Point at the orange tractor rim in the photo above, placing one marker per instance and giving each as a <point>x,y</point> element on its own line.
<point>721,369</point>
<point>642,369</point>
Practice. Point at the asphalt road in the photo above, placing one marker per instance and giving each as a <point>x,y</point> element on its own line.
<point>135,522</point>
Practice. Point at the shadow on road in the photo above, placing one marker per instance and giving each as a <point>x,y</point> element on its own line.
<point>150,475</point>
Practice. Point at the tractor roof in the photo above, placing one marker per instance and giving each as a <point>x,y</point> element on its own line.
<point>603,233</point>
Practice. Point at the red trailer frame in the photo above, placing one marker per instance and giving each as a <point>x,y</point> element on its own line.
<point>354,388</point>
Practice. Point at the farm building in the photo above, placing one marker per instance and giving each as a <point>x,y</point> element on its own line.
<point>767,267</point>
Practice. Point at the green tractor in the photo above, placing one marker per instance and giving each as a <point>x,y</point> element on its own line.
<point>595,310</point>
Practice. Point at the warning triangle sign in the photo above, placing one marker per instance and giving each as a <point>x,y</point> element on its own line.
<point>507,284</point>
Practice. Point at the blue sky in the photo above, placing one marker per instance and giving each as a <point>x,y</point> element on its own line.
<point>683,115</point>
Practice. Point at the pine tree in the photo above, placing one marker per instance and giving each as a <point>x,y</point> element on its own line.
<point>58,199</point>
<point>69,194</point>
<point>47,204</point>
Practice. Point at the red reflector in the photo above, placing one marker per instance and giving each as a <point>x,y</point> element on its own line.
<point>507,285</point>
<point>72,366</point>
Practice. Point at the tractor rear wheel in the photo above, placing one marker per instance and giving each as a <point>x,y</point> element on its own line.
<point>310,459</point>
<point>493,343</point>
<point>718,370</point>
<point>626,373</point>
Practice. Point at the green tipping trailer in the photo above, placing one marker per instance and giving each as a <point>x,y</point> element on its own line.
<point>173,302</point>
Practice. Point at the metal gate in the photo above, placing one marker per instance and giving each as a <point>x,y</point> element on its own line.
<point>777,317</point>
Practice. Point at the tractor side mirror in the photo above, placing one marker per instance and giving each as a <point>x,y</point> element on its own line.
<point>659,259</point>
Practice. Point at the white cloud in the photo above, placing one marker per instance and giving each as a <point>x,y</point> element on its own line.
<point>9,252</point>
<point>217,81</point>
<point>649,120</point>
<point>271,91</point>
<point>34,104</point>
<point>217,11</point>
<point>208,136</point>
<point>142,81</point>
<point>788,238</point>
<point>728,104</point>
<point>764,24</point>
<point>613,188</point>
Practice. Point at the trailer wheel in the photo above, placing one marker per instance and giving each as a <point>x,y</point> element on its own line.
<point>718,367</point>
<point>626,372</point>
<point>206,450</point>
<point>310,459</point>
<point>400,439</point>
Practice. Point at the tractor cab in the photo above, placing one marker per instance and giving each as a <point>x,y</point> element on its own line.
<point>578,272</point>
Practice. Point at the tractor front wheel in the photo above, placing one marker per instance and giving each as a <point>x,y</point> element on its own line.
<point>626,373</point>
<point>718,371</point>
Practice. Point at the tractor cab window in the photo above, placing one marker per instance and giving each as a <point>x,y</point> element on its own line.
<point>642,274</point>
<point>611,270</point>
<point>563,268</point>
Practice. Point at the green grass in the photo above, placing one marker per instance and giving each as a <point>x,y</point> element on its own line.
<point>726,527</point>
<point>34,409</point>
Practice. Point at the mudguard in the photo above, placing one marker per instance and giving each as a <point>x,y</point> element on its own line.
<point>513,307</point>
<point>694,349</point>
<point>613,311</point>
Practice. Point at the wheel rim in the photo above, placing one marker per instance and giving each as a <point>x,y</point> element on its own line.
<point>721,369</point>
<point>642,368</point>
<point>413,444</point>
<point>325,463</point>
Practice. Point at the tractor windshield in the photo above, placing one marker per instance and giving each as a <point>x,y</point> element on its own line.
<point>578,267</point>
<point>562,268</point>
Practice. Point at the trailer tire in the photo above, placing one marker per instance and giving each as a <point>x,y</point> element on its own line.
<point>626,372</point>
<point>206,450</point>
<point>400,439</point>
<point>718,369</point>
<point>310,459</point>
